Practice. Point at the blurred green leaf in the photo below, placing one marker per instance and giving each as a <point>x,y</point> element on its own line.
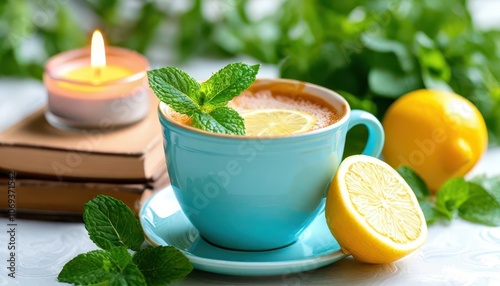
<point>192,28</point>
<point>142,34</point>
<point>106,10</point>
<point>381,45</point>
<point>387,83</point>
<point>358,103</point>
<point>355,141</point>
<point>435,70</point>
<point>451,196</point>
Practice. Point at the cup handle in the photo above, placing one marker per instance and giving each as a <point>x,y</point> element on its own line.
<point>376,137</point>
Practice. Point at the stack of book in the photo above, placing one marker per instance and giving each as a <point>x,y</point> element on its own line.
<point>58,171</point>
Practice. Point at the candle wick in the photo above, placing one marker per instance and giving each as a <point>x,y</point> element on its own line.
<point>97,75</point>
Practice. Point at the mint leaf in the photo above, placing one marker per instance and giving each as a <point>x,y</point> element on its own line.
<point>113,267</point>
<point>431,214</point>
<point>110,223</point>
<point>162,265</point>
<point>415,182</point>
<point>480,207</point>
<point>230,119</point>
<point>119,257</point>
<point>422,193</point>
<point>176,88</point>
<point>221,120</point>
<point>88,268</point>
<point>490,184</point>
<point>451,196</point>
<point>227,83</point>
<point>130,275</point>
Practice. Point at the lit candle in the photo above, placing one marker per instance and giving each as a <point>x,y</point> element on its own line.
<point>96,87</point>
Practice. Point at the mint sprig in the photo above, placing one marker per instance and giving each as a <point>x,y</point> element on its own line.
<point>113,227</point>
<point>205,103</point>
<point>476,200</point>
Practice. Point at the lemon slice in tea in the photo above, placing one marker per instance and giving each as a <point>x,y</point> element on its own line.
<point>372,212</point>
<point>277,122</point>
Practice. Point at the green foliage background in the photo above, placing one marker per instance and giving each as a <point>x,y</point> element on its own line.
<point>371,51</point>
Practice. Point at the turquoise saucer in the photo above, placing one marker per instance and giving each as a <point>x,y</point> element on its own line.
<point>164,223</point>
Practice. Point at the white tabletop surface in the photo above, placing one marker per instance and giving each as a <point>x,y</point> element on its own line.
<point>460,253</point>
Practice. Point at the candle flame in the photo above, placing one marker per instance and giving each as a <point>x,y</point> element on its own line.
<point>97,51</point>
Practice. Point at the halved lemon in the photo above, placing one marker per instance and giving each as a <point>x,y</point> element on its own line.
<point>276,122</point>
<point>372,212</point>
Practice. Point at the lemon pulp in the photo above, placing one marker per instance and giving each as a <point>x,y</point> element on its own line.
<point>383,201</point>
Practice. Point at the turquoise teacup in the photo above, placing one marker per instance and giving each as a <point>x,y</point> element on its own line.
<point>254,194</point>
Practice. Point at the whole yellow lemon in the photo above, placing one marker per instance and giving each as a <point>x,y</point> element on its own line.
<point>439,134</point>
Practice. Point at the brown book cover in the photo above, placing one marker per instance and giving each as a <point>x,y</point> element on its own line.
<point>37,197</point>
<point>133,153</point>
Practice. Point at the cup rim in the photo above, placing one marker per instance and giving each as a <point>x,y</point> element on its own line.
<point>341,121</point>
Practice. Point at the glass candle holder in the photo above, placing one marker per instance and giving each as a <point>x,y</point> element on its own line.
<point>116,95</point>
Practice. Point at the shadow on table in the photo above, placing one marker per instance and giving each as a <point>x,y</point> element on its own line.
<point>345,270</point>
